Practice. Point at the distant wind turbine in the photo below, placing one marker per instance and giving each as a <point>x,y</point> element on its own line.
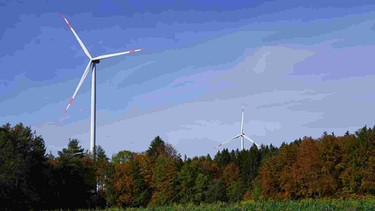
<point>242,134</point>
<point>92,63</point>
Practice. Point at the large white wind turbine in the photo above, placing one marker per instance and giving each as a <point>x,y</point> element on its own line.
<point>242,134</point>
<point>92,63</point>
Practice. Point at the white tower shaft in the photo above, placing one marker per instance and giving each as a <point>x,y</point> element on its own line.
<point>93,111</point>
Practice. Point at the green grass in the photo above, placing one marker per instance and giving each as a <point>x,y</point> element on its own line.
<point>305,204</point>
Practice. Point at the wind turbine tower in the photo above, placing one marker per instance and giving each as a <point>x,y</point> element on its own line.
<point>241,135</point>
<point>93,61</point>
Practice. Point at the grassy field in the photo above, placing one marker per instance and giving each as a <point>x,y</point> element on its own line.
<point>306,204</point>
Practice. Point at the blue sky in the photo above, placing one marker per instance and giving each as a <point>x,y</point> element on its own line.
<point>300,68</point>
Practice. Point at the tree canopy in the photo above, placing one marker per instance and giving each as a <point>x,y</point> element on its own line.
<point>329,166</point>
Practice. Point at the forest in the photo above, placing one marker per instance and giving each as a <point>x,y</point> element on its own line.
<point>307,168</point>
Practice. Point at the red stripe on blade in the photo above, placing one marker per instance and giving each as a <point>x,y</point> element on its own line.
<point>132,51</point>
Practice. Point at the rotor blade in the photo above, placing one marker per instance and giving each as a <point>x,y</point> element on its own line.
<point>250,140</point>
<point>76,35</point>
<point>116,54</point>
<point>243,111</point>
<point>229,140</point>
<point>87,70</point>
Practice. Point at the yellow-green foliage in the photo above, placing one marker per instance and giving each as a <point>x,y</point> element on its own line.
<point>305,204</point>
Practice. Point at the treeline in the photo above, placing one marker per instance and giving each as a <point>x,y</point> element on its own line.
<point>330,166</point>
